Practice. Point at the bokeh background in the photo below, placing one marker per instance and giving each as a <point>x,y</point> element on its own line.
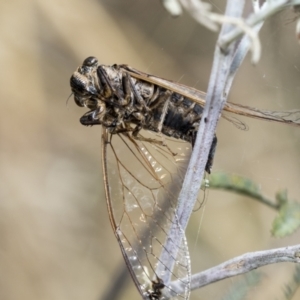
<point>55,237</point>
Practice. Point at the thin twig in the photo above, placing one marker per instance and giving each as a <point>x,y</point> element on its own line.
<point>242,264</point>
<point>201,12</point>
<point>268,10</point>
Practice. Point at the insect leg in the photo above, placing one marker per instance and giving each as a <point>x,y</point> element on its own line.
<point>164,100</point>
<point>136,131</point>
<point>107,89</point>
<point>140,102</point>
<point>128,101</point>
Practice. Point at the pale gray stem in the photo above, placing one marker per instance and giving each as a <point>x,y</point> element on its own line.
<point>240,54</point>
<point>215,101</point>
<point>242,264</point>
<point>256,18</point>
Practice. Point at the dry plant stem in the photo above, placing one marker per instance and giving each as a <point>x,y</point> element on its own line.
<point>243,264</point>
<point>201,12</point>
<point>215,101</point>
<point>240,54</point>
<point>270,9</point>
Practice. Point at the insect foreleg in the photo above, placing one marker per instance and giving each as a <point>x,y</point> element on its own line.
<point>140,103</point>
<point>128,101</point>
<point>107,90</point>
<point>136,131</point>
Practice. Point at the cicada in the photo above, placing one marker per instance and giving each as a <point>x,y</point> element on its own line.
<point>149,126</point>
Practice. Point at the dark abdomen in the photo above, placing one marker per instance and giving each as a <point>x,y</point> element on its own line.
<point>181,120</point>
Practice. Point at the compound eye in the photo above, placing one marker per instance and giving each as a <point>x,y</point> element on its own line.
<point>90,61</point>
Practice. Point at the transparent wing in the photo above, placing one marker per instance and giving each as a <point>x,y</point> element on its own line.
<point>143,180</point>
<point>291,117</point>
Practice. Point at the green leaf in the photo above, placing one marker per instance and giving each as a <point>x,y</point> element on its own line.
<point>281,197</point>
<point>235,183</point>
<point>287,221</point>
<point>240,185</point>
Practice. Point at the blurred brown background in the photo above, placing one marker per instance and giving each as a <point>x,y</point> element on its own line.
<point>55,237</point>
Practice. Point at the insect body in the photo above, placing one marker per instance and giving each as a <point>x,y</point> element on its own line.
<point>117,100</point>
<point>149,126</point>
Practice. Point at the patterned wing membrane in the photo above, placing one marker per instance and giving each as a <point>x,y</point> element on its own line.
<point>143,180</point>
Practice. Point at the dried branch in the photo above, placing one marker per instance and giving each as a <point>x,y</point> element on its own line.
<point>215,101</point>
<point>242,264</point>
<point>201,12</point>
